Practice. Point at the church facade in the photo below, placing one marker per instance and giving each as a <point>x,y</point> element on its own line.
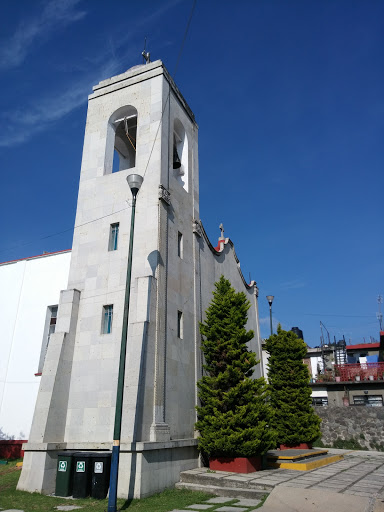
<point>137,123</point>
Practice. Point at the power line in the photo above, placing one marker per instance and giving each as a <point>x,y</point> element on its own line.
<point>62,232</point>
<point>184,38</point>
<point>149,158</point>
<point>169,92</point>
<point>341,316</point>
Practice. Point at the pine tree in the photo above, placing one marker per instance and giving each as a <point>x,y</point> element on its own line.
<point>293,418</point>
<point>234,412</point>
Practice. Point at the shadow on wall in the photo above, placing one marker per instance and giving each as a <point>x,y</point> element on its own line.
<point>154,259</point>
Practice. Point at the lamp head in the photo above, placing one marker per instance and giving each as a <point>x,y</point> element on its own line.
<point>134,182</point>
<point>270,299</point>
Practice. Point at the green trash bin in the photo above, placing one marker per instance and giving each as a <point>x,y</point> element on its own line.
<point>64,475</point>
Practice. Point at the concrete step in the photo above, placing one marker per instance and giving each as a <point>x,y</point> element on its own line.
<point>223,479</point>
<point>306,464</point>
<point>293,455</point>
<point>228,492</point>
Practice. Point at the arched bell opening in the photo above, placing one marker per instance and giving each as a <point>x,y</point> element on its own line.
<point>180,153</point>
<point>121,140</point>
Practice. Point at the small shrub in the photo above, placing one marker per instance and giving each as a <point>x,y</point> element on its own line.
<point>347,444</point>
<point>318,443</point>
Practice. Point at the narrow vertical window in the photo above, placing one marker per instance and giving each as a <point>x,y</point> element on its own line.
<point>113,237</point>
<point>52,322</point>
<point>107,319</point>
<point>49,329</point>
<point>180,324</point>
<point>179,245</point>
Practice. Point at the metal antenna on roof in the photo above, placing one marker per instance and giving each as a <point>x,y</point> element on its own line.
<point>379,315</point>
<point>146,55</point>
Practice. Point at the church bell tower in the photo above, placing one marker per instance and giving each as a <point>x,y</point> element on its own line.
<point>137,123</point>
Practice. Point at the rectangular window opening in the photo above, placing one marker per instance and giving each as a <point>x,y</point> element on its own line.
<point>106,327</point>
<point>368,400</point>
<point>180,325</point>
<point>113,237</point>
<point>320,400</point>
<point>180,245</point>
<point>49,329</point>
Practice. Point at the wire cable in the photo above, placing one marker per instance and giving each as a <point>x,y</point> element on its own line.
<point>169,92</point>
<point>149,158</point>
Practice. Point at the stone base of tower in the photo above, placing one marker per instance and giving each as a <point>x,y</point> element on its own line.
<point>153,467</point>
<point>145,468</point>
<point>39,470</point>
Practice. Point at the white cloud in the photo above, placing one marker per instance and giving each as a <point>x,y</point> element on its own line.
<point>22,124</point>
<point>293,284</point>
<point>56,15</point>
<point>33,118</point>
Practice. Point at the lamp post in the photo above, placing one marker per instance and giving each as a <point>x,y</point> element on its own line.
<point>270,300</point>
<point>134,182</point>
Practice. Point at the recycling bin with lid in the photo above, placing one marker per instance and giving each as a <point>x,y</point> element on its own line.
<point>82,474</point>
<point>64,475</point>
<point>101,467</point>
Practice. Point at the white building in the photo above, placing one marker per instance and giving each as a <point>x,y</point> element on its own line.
<point>136,124</point>
<point>29,293</point>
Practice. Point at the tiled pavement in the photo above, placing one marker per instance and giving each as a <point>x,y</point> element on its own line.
<point>360,473</point>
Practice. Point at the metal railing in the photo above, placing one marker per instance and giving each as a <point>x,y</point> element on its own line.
<point>363,371</point>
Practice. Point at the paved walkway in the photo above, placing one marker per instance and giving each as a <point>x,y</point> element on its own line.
<point>361,473</point>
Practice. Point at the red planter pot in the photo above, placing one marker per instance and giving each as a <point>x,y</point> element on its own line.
<point>235,464</point>
<point>301,446</point>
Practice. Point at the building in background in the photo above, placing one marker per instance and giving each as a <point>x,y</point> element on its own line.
<point>29,297</point>
<point>353,375</point>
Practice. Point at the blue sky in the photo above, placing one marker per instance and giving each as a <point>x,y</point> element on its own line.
<point>288,96</point>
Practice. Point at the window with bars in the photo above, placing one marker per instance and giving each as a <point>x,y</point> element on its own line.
<point>106,327</point>
<point>368,400</point>
<point>113,237</point>
<point>320,400</point>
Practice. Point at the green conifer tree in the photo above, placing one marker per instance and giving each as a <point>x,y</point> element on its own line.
<point>294,419</point>
<point>233,419</point>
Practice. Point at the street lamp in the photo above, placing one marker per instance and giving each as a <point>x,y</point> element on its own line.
<point>134,182</point>
<point>270,300</point>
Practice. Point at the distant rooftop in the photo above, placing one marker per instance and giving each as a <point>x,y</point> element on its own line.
<point>44,255</point>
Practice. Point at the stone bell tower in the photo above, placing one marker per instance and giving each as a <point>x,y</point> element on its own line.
<point>137,123</point>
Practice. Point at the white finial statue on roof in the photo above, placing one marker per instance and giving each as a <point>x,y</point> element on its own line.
<point>222,231</point>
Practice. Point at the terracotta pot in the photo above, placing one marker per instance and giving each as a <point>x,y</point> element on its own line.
<point>235,464</point>
<point>338,379</point>
<point>301,446</point>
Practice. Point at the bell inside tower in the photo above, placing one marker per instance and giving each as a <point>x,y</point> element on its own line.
<point>125,143</point>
